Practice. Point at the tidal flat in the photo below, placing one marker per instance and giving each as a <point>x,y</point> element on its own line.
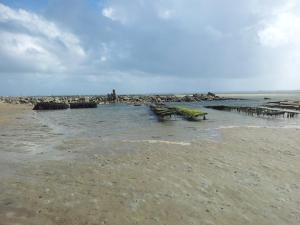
<point>245,175</point>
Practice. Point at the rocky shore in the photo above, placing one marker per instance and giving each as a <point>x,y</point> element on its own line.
<point>112,98</point>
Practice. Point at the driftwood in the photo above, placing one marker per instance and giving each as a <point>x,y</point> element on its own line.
<point>79,105</point>
<point>50,106</point>
<point>256,111</point>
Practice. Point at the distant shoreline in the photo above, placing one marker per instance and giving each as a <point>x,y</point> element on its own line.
<point>220,93</point>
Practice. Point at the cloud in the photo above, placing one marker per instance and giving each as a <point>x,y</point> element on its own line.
<point>171,45</point>
<point>23,53</point>
<point>31,43</point>
<point>166,14</point>
<point>283,30</point>
<point>279,36</point>
<point>114,15</point>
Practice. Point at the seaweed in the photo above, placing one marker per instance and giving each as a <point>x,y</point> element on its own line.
<point>189,112</point>
<point>163,111</point>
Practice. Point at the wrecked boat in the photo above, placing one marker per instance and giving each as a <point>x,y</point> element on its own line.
<point>163,112</point>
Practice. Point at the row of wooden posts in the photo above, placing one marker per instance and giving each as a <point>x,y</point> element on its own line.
<point>257,111</point>
<point>55,105</point>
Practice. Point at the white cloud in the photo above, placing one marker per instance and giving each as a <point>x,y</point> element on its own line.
<point>28,52</point>
<point>40,43</point>
<point>279,34</point>
<point>109,13</point>
<point>283,29</point>
<point>103,59</point>
<point>166,14</point>
<point>211,41</point>
<point>114,15</point>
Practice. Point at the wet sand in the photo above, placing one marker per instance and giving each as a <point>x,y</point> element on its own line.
<point>9,113</point>
<point>250,176</point>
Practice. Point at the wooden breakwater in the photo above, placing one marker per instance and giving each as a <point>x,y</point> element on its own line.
<point>80,105</point>
<point>292,105</point>
<point>50,106</point>
<point>60,106</point>
<point>162,112</point>
<point>256,111</point>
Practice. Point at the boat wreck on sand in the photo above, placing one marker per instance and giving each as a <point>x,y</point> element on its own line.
<point>163,112</point>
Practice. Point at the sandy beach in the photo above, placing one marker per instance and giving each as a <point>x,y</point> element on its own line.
<point>149,112</point>
<point>10,112</point>
<point>249,176</point>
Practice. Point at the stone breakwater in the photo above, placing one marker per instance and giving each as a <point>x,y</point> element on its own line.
<point>102,99</point>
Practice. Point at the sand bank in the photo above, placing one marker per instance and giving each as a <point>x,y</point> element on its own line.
<point>10,112</point>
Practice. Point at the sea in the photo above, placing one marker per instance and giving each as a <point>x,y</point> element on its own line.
<point>110,125</point>
<point>124,122</point>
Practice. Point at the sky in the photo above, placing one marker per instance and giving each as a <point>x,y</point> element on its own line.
<point>60,47</point>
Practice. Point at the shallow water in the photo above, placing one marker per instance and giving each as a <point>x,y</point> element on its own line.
<point>125,122</point>
<point>108,126</point>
